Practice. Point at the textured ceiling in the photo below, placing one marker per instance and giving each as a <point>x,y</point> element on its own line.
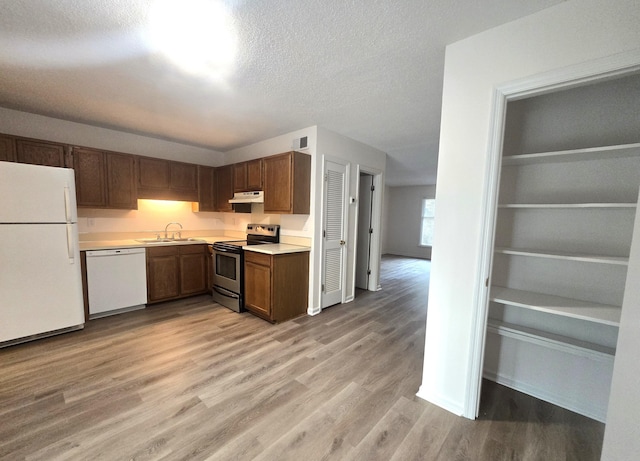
<point>368,69</point>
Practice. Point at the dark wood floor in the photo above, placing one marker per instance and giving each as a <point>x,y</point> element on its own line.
<point>192,380</point>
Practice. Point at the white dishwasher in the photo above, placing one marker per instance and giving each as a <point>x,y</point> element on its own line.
<point>116,281</point>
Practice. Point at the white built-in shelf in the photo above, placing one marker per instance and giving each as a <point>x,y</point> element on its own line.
<point>589,153</point>
<point>566,307</point>
<point>550,340</point>
<point>567,205</point>
<point>565,256</point>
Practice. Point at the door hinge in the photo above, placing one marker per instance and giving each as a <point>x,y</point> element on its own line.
<point>324,234</point>
<point>373,187</point>
<point>326,177</point>
<point>369,272</point>
<point>486,283</point>
<point>322,288</point>
<point>371,230</point>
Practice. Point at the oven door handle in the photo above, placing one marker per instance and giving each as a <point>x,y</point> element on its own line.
<point>226,293</point>
<point>222,250</point>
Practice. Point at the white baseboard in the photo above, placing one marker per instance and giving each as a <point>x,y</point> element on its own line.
<point>441,401</point>
<point>581,407</point>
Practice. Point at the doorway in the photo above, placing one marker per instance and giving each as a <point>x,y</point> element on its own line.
<point>366,191</point>
<point>578,120</point>
<point>368,233</point>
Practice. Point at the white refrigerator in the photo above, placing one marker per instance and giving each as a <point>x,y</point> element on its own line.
<point>40,276</point>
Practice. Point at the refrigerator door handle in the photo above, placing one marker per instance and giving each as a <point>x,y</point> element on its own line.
<point>70,244</point>
<point>67,204</point>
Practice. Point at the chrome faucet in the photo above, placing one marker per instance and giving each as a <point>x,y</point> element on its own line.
<point>173,234</point>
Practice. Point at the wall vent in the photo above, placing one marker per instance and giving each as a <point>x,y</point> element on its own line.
<point>300,143</point>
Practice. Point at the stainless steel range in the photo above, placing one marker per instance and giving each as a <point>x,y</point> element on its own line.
<point>228,264</point>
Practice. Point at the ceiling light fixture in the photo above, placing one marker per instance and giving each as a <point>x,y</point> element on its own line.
<point>196,35</point>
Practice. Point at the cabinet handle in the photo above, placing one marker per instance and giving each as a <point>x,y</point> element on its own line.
<point>70,244</point>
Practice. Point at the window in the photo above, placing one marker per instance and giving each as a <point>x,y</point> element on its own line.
<point>428,218</point>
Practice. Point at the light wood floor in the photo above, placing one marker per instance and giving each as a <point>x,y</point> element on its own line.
<point>192,380</point>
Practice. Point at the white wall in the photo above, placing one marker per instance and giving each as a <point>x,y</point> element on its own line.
<point>568,34</point>
<point>53,129</point>
<point>621,441</point>
<point>403,222</point>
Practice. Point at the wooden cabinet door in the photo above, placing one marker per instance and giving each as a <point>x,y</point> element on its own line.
<point>153,173</point>
<point>206,189</point>
<point>163,281</point>
<point>41,153</point>
<point>166,180</point>
<point>89,168</point>
<point>287,183</point>
<point>254,174</point>
<point>290,286</point>
<point>224,188</point>
<point>240,177</point>
<point>7,149</point>
<point>278,186</point>
<point>193,269</point>
<point>121,181</point>
<point>184,180</point>
<point>257,289</point>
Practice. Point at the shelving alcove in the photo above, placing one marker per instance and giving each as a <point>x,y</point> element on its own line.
<point>564,225</point>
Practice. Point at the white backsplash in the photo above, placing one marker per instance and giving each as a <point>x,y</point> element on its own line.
<point>151,216</point>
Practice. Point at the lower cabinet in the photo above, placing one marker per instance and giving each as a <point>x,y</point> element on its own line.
<point>276,286</point>
<point>176,271</point>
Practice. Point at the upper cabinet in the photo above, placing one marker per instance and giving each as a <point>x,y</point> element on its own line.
<point>287,183</point>
<point>104,179</point>
<point>224,187</point>
<point>90,172</point>
<point>115,180</point>
<point>240,177</point>
<point>167,180</point>
<point>7,149</point>
<point>42,153</point>
<point>247,176</point>
<point>206,189</point>
<point>121,181</point>
<point>254,174</point>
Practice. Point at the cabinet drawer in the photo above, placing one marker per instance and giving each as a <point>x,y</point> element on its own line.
<point>257,258</point>
<point>192,249</point>
<point>162,251</point>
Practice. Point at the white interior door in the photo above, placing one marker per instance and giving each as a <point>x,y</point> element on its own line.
<point>363,245</point>
<point>333,242</point>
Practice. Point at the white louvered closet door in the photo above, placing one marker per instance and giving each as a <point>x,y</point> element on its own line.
<point>334,234</point>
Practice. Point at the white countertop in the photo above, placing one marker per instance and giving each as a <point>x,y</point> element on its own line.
<point>131,243</point>
<point>269,248</point>
<point>276,248</point>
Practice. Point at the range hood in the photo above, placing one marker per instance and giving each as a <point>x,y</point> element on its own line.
<point>256,196</point>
